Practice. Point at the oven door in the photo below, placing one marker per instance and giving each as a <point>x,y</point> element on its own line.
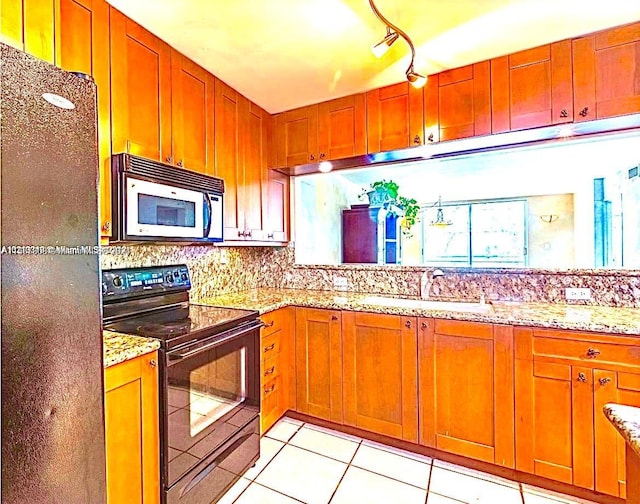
<point>212,392</point>
<point>159,210</point>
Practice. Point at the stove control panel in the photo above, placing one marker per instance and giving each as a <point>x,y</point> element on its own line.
<point>133,282</point>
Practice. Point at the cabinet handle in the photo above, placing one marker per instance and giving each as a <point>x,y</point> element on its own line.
<point>270,347</point>
<point>604,381</point>
<point>270,371</point>
<point>312,157</point>
<point>408,324</point>
<point>270,324</point>
<point>424,325</point>
<point>564,113</point>
<point>584,112</point>
<point>270,389</point>
<point>416,140</point>
<point>248,234</point>
<point>322,155</point>
<point>106,227</point>
<point>241,233</point>
<point>153,363</point>
<point>169,159</point>
<point>334,317</point>
<point>582,377</point>
<point>430,137</point>
<point>179,163</point>
<point>593,353</point>
<point>270,236</point>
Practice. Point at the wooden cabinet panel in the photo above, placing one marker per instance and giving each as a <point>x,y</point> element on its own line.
<point>394,117</point>
<point>463,105</point>
<point>192,95</point>
<point>277,207</point>
<point>605,73</point>
<point>297,136</point>
<point>341,128</point>
<point>132,431</point>
<point>38,19</point>
<point>469,410</point>
<point>319,363</point>
<point>254,137</point>
<point>11,23</point>
<point>82,45</point>
<point>380,374</point>
<point>532,88</point>
<point>140,90</point>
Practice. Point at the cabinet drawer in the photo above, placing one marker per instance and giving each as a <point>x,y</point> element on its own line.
<point>271,368</point>
<point>586,351</point>
<point>271,345</point>
<point>272,403</point>
<point>274,321</point>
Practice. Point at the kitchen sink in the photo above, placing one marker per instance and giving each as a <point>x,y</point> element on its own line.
<point>424,304</point>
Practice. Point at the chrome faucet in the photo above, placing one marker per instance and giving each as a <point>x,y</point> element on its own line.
<point>426,280</point>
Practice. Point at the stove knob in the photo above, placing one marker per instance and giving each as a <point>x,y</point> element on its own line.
<point>184,277</point>
<point>169,278</point>
<point>117,281</point>
<point>104,287</point>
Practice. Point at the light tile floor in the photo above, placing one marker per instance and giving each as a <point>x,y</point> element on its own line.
<point>301,462</point>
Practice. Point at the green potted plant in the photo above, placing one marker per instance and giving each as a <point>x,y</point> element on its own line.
<point>385,193</point>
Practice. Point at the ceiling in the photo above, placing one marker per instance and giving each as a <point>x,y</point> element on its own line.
<point>283,54</point>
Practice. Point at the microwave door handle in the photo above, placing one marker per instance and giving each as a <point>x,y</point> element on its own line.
<point>208,216</point>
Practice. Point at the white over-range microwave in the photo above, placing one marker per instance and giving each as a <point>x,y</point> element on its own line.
<point>153,201</point>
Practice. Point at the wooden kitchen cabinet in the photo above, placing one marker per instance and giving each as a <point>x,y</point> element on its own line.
<point>605,73</point>
<point>380,374</point>
<point>132,431</point>
<point>277,207</point>
<point>140,90</point>
<point>277,377</point>
<point>192,127</point>
<point>563,379</point>
<point>466,389</point>
<point>532,88</point>
<point>82,45</point>
<point>38,19</point>
<point>296,136</point>
<point>457,103</point>
<point>394,117</point>
<point>319,363</point>
<point>11,23</point>
<point>342,128</point>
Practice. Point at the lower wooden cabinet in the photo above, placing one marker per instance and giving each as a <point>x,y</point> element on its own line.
<point>132,431</point>
<point>277,380</point>
<point>319,363</point>
<point>381,374</point>
<point>466,389</point>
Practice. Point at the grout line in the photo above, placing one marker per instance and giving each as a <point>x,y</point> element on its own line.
<point>521,492</point>
<point>276,491</point>
<point>429,481</point>
<point>345,472</point>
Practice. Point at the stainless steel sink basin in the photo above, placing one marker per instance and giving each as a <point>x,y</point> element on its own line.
<point>423,304</point>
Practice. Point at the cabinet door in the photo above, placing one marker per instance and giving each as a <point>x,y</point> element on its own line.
<point>297,136</point>
<point>277,217</point>
<point>532,88</point>
<point>319,363</point>
<point>38,28</point>
<point>341,128</point>
<point>380,374</point>
<point>253,141</point>
<point>132,431</point>
<point>394,117</point>
<point>11,23</point>
<point>140,90</point>
<point>610,460</point>
<point>192,94</point>
<point>605,73</point>
<point>227,152</point>
<point>82,45</point>
<point>467,410</point>
<point>463,107</point>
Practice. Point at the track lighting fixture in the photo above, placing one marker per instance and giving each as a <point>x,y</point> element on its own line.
<point>417,80</point>
<point>383,46</point>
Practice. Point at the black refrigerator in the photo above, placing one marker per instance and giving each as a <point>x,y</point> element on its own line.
<point>53,448</point>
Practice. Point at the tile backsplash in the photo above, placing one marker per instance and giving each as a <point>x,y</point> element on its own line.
<point>219,270</point>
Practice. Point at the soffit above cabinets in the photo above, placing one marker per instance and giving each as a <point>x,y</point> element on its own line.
<point>284,54</point>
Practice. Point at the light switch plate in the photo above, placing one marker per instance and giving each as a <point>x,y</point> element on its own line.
<point>340,283</point>
<point>574,293</point>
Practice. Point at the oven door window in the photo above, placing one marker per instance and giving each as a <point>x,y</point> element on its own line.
<point>159,210</point>
<point>210,394</point>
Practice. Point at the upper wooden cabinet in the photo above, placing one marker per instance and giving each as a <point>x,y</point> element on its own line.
<point>458,104</point>
<point>192,97</point>
<point>11,23</point>
<point>319,363</point>
<point>296,136</point>
<point>467,409</point>
<point>605,73</point>
<point>82,45</point>
<point>276,209</point>
<point>380,374</point>
<point>532,88</point>
<point>342,128</point>
<point>140,90</point>
<point>394,117</point>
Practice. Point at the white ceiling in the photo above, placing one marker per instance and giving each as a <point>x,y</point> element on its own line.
<point>283,54</point>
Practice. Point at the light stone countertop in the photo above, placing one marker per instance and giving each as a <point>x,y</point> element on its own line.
<point>118,347</point>
<point>559,316</point>
<point>626,420</point>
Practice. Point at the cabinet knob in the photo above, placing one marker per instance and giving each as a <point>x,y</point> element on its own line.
<point>179,163</point>
<point>153,363</point>
<point>424,325</point>
<point>582,377</point>
<point>334,317</point>
<point>248,234</point>
<point>430,137</point>
<point>241,233</point>
<point>322,155</point>
<point>408,324</point>
<point>604,381</point>
<point>584,112</point>
<point>564,113</point>
<point>312,157</point>
<point>169,159</point>
<point>270,389</point>
<point>106,227</point>
<point>270,236</point>
<point>270,347</point>
<point>593,352</point>
<point>270,324</point>
<point>416,140</point>
<point>269,371</point>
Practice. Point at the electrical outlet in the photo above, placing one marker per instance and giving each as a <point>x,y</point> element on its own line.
<point>340,283</point>
<point>571,294</point>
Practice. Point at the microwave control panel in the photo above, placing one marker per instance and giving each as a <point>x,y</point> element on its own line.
<point>131,282</point>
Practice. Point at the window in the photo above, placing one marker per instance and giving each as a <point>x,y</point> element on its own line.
<point>484,233</point>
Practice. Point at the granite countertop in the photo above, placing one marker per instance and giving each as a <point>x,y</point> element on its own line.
<point>559,316</point>
<point>118,347</point>
<point>626,419</point>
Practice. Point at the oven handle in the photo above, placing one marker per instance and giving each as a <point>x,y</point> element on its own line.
<point>217,340</point>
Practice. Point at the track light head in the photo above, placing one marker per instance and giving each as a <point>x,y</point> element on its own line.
<point>417,80</point>
<point>383,46</point>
